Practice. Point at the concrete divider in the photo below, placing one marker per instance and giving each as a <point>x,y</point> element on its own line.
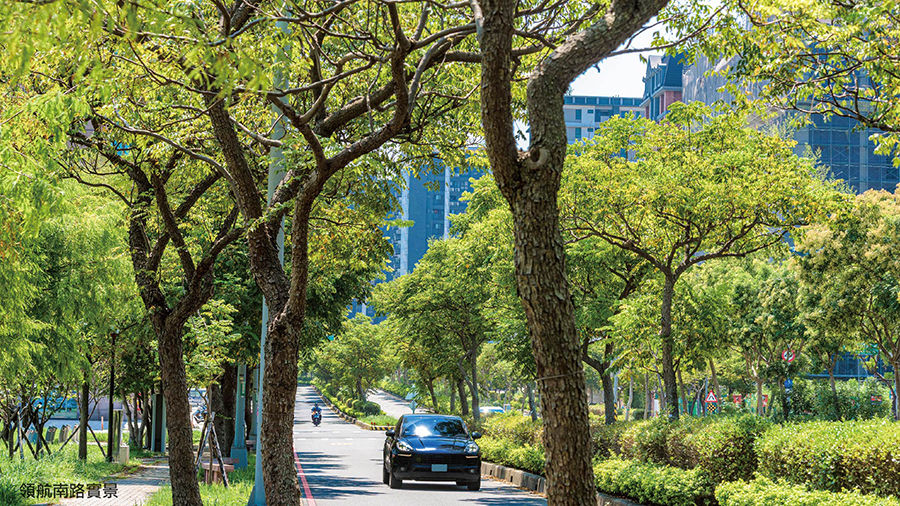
<point>536,483</point>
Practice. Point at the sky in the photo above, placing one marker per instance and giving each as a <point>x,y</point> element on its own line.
<point>619,76</point>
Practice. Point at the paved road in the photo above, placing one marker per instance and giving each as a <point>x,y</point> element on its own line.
<point>389,404</point>
<point>341,464</point>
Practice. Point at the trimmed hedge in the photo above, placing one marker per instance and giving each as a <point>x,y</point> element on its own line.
<point>763,492</point>
<point>835,456</point>
<point>723,446</point>
<point>653,484</point>
<point>508,453</point>
<point>514,427</point>
<point>606,439</point>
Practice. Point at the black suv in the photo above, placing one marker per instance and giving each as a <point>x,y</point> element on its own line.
<point>432,448</point>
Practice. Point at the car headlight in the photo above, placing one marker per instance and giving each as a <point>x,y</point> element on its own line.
<point>403,446</point>
<point>472,447</point>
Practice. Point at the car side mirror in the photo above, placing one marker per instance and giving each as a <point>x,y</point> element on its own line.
<point>389,433</point>
<point>476,435</point>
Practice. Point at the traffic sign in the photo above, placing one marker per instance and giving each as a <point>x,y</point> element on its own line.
<point>738,398</point>
<point>711,397</point>
<point>788,355</point>
<point>765,401</point>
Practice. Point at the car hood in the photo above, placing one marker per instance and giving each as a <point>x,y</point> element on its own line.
<point>437,444</point>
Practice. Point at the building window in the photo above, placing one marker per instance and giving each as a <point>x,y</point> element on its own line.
<point>577,114</point>
<point>578,133</point>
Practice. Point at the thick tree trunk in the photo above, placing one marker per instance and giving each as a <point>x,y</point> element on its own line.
<point>785,402</point>
<point>185,489</point>
<point>531,407</point>
<point>683,393</point>
<point>609,396</point>
<point>463,400</point>
<point>83,417</point>
<point>146,416</point>
<point>668,344</point>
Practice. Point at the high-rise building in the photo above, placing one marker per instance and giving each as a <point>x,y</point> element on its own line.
<point>583,114</point>
<point>428,202</point>
<point>840,143</point>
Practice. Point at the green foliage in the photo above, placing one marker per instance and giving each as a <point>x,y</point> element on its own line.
<point>764,492</point>
<point>653,484</point>
<point>606,438</point>
<point>354,361</point>
<point>513,427</point>
<point>379,420</point>
<point>240,485</point>
<point>528,457</point>
<point>723,446</point>
<point>835,456</point>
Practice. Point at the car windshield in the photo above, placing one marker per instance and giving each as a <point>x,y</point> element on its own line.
<point>440,427</point>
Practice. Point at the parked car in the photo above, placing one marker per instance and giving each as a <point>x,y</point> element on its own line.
<point>490,410</point>
<point>431,448</point>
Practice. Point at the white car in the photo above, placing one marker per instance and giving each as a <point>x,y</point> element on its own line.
<point>490,410</point>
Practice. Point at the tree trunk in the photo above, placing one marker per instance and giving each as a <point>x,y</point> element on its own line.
<point>609,396</point>
<point>785,403</point>
<point>83,417</point>
<point>473,385</point>
<point>463,400</point>
<point>146,416</point>
<point>229,389</point>
<point>430,386</point>
<point>896,366</point>
<point>683,396</point>
<point>668,344</point>
<point>760,410</point>
<point>217,406</point>
<point>832,362</point>
<point>715,378</point>
<point>648,399</point>
<point>531,408</point>
<point>630,399</point>
<point>185,489</point>
<point>452,398</point>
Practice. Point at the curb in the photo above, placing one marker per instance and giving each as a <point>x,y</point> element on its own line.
<point>538,484</point>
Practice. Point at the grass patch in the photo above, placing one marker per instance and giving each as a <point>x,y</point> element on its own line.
<point>60,467</point>
<point>240,485</point>
<point>379,420</point>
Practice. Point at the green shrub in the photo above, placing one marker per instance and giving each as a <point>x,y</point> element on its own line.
<point>368,408</point>
<point>763,492</point>
<point>606,439</point>
<point>835,456</point>
<point>646,440</point>
<point>517,428</point>
<point>653,484</point>
<point>725,446</point>
<point>505,452</point>
<point>636,414</point>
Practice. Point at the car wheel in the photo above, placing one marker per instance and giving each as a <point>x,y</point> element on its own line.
<point>474,485</point>
<point>385,475</point>
<point>394,482</point>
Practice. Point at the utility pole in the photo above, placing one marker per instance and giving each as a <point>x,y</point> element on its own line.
<point>276,175</point>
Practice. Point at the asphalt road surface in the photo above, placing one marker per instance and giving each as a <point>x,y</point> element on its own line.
<point>341,464</point>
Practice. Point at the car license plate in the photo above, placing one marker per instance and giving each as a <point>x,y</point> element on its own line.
<point>438,468</point>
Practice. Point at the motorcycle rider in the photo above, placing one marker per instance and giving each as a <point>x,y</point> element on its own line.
<point>316,410</point>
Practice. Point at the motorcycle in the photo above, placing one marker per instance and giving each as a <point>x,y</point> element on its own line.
<point>316,418</point>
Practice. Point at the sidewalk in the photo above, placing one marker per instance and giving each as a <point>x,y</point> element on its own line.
<point>133,489</point>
